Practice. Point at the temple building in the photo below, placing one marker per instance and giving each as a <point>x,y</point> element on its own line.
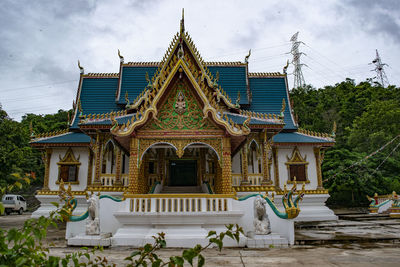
<point>185,128</point>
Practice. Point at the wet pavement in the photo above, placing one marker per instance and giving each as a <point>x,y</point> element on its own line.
<point>337,243</point>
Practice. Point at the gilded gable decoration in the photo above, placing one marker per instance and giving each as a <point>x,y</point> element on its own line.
<point>68,168</point>
<point>297,167</point>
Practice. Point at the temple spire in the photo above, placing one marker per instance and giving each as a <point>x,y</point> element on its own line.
<point>182,30</point>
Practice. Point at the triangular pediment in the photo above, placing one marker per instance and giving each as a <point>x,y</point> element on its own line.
<point>182,64</point>
<point>180,109</point>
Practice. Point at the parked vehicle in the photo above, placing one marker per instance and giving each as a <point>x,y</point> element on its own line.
<point>14,203</point>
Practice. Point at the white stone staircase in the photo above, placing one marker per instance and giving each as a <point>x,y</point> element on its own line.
<point>181,190</point>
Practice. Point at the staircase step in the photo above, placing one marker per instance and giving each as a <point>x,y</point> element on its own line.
<point>181,189</point>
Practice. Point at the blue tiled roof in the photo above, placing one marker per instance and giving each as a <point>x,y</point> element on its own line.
<point>239,119</point>
<point>232,79</point>
<point>296,137</point>
<point>267,95</point>
<point>133,81</point>
<point>97,96</point>
<point>70,137</point>
<point>120,120</point>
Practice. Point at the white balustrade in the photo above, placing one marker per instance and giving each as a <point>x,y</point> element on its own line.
<point>254,178</point>
<point>180,204</point>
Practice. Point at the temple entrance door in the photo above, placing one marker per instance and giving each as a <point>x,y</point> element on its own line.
<point>183,172</point>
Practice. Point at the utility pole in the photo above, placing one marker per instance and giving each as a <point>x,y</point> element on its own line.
<point>298,74</point>
<point>380,72</point>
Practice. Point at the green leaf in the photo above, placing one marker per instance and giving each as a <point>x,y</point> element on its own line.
<point>177,260</point>
<point>2,209</point>
<point>134,253</point>
<point>211,233</point>
<point>18,184</point>
<point>148,247</point>
<point>200,261</point>
<point>55,204</point>
<point>188,255</point>
<point>156,263</point>
<point>21,261</point>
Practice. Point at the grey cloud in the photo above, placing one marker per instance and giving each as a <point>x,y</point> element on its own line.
<point>377,17</point>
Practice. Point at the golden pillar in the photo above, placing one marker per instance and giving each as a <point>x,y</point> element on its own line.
<point>98,148</point>
<point>46,156</point>
<point>245,166</point>
<point>276,168</point>
<point>90,168</point>
<point>118,181</point>
<point>202,163</point>
<point>265,162</point>
<point>317,154</point>
<point>133,167</point>
<point>226,179</point>
<point>161,164</point>
<point>144,174</point>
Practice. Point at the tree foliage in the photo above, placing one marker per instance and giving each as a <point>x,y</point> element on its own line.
<point>367,117</point>
<point>16,155</point>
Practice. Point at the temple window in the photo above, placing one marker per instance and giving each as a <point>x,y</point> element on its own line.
<point>68,168</point>
<point>297,167</point>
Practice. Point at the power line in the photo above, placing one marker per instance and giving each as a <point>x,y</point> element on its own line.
<point>35,86</point>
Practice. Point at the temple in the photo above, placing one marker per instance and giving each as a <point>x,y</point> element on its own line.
<point>182,135</point>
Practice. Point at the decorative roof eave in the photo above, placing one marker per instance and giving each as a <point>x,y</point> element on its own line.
<point>326,144</point>
<point>142,64</point>
<point>59,144</point>
<point>101,116</point>
<point>263,116</point>
<point>101,75</point>
<point>326,136</point>
<point>42,136</point>
<point>149,107</point>
<point>266,74</point>
<point>225,63</point>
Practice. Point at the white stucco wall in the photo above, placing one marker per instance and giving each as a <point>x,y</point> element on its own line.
<point>284,152</point>
<point>57,153</point>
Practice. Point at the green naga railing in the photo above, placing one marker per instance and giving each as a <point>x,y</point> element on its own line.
<point>210,191</point>
<point>71,203</point>
<point>291,206</point>
<point>153,187</point>
<point>374,205</point>
<point>77,218</point>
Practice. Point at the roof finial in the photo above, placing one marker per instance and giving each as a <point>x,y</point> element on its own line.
<point>246,59</point>
<point>121,58</point>
<point>285,67</point>
<point>80,67</point>
<point>183,22</point>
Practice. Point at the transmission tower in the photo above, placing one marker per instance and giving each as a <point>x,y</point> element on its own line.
<point>298,74</point>
<point>380,72</point>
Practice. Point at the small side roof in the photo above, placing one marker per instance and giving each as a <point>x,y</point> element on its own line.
<point>66,138</point>
<point>296,137</point>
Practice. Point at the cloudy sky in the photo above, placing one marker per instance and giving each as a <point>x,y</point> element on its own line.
<point>41,41</point>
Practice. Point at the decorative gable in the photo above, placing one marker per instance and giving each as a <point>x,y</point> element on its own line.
<point>180,111</point>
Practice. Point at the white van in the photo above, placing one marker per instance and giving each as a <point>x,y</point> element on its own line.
<point>14,203</point>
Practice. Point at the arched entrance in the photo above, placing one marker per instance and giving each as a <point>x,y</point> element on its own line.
<point>198,163</point>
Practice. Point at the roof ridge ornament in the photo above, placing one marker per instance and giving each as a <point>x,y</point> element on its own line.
<point>121,58</point>
<point>82,70</point>
<point>182,28</point>
<point>285,67</point>
<point>246,59</point>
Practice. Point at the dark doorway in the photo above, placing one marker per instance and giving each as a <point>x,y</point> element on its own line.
<point>183,172</point>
